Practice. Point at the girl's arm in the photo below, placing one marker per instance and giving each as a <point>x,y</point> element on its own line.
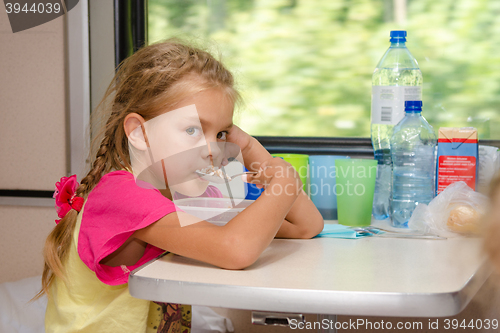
<point>303,220</point>
<point>241,241</point>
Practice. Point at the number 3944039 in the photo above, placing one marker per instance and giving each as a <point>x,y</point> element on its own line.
<point>453,324</point>
<point>35,8</point>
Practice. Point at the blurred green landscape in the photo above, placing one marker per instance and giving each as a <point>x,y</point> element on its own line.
<point>304,67</point>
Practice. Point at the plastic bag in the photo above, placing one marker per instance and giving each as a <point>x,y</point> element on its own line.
<point>487,166</point>
<point>457,210</point>
<point>206,320</point>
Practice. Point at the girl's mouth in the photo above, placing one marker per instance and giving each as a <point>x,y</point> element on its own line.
<point>200,178</point>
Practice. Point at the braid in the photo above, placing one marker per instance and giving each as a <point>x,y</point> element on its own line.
<point>112,154</point>
<point>95,173</point>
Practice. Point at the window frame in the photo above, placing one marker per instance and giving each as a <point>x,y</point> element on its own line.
<point>131,27</point>
<point>128,29</point>
<point>131,33</point>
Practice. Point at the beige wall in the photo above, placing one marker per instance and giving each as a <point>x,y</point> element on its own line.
<point>24,230</point>
<point>32,137</point>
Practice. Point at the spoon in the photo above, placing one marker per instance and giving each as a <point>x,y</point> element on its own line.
<point>218,176</point>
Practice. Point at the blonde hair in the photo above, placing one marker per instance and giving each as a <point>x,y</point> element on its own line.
<point>151,81</point>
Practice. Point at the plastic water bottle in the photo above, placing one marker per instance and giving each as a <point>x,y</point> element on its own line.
<point>396,79</point>
<point>413,145</point>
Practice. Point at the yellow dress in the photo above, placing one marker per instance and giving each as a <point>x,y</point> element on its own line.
<point>85,304</point>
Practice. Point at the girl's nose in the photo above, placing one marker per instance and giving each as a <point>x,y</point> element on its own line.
<point>215,150</point>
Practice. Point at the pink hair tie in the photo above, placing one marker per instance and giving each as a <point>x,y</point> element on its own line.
<point>65,195</point>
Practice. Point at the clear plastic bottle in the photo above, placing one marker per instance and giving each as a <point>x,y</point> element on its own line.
<point>396,79</point>
<point>413,145</point>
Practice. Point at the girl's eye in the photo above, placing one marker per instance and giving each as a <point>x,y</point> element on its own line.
<point>221,135</point>
<point>192,131</point>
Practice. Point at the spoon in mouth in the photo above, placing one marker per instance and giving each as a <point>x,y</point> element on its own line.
<point>216,175</point>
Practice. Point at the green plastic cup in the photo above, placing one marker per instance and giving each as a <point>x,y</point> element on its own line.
<point>355,185</point>
<point>300,162</point>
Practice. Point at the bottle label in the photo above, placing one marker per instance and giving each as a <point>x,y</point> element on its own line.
<point>388,102</point>
<point>453,169</point>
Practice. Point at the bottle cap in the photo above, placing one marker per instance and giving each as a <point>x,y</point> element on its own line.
<point>413,106</point>
<point>398,36</point>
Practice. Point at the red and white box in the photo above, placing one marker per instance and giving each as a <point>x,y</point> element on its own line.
<point>457,157</point>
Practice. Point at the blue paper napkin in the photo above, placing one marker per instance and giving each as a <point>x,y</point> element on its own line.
<point>340,231</point>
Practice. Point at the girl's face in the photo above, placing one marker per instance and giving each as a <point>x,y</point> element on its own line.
<point>189,138</point>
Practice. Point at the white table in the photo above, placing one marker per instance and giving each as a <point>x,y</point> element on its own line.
<point>369,276</point>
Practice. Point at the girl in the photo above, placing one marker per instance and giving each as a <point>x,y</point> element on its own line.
<point>114,222</point>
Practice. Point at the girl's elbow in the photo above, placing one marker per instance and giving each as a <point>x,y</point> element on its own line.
<point>308,234</point>
<point>314,228</point>
<point>319,225</point>
<point>240,255</point>
<point>241,262</point>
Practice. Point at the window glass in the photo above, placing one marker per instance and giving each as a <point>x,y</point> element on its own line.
<point>304,67</point>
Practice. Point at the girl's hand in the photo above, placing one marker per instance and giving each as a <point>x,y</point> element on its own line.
<point>237,141</point>
<point>278,170</point>
<point>238,136</point>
